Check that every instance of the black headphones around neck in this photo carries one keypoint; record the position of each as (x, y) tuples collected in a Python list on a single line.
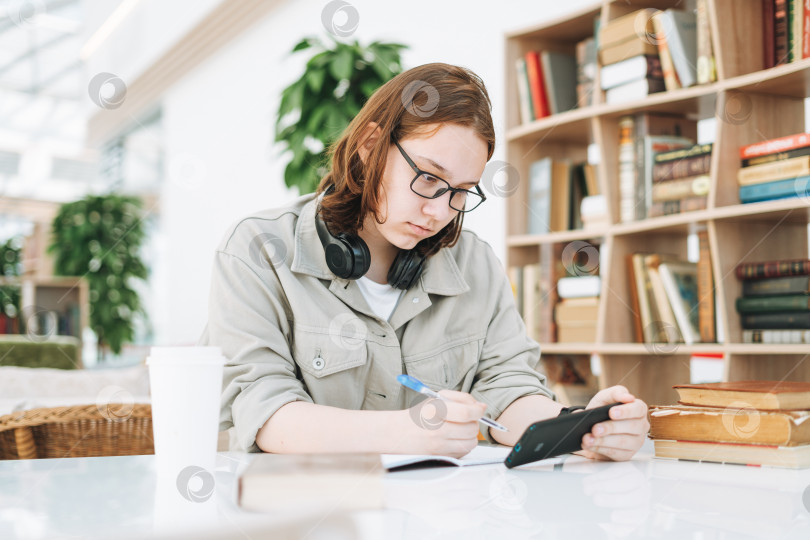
[(348, 257)]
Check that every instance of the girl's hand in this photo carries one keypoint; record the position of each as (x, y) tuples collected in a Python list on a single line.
[(447, 427), (619, 438)]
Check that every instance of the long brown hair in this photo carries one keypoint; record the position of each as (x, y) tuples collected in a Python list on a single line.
[(432, 94)]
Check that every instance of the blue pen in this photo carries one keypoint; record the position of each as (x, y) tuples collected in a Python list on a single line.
[(418, 386)]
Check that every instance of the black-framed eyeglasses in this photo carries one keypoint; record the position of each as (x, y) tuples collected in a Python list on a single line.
[(430, 186)]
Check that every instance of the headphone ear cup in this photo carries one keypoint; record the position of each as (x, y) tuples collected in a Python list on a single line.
[(356, 252), (406, 269)]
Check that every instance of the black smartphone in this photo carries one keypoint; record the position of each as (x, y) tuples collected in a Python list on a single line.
[(556, 436)]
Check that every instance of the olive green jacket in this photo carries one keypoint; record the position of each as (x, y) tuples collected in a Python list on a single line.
[(292, 330)]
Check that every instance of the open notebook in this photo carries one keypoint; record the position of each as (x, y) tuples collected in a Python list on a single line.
[(481, 455)]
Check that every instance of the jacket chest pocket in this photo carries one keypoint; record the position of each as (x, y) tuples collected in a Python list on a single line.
[(333, 365), (450, 367)]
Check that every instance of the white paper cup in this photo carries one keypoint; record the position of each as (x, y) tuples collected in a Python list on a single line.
[(186, 387)]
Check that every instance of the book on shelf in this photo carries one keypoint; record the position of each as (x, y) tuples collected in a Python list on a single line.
[(772, 304), (627, 27), (578, 286), (667, 324), (768, 269), (637, 67), (757, 394), (780, 32), (793, 457), (669, 74), (538, 87), (594, 212), (773, 146), (684, 153), (680, 283), (576, 319), (776, 321), (787, 337), (633, 90), (730, 424), (768, 38), (706, 293), (775, 190), (706, 67), (524, 93), (682, 168), (645, 310), (540, 173), (777, 170), (777, 156), (559, 72), (795, 17), (586, 71), (677, 206), (776, 286), (678, 28), (283, 482), (681, 188)]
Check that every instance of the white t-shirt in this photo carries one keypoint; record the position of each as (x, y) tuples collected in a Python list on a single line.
[(382, 298)]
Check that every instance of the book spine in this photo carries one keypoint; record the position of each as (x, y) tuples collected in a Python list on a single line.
[(627, 169), (671, 79), (768, 51), (524, 92), (776, 286), (776, 321), (780, 32), (806, 29), (677, 206), (540, 196), (779, 156), (772, 304), (772, 146), (671, 170), (778, 170), (797, 17), (536, 85), (684, 153), (639, 203), (794, 337), (547, 331), (757, 270), (681, 188), (705, 283), (791, 30), (682, 41), (779, 189)]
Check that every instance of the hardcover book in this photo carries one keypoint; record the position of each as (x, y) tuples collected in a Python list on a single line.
[(793, 457), (730, 424), (763, 395)]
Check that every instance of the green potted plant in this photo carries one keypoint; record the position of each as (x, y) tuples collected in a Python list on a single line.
[(314, 110), (100, 237)]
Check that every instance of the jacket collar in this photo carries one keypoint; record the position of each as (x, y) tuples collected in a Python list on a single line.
[(441, 274)]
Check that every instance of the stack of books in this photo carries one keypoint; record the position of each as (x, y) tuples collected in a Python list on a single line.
[(785, 31), (775, 169), (576, 312), (746, 422), (680, 180), (641, 137), (775, 302), (631, 67)]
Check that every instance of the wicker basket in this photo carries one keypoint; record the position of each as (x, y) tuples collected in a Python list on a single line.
[(77, 431)]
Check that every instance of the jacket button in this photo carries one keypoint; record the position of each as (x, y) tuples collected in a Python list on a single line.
[(318, 363)]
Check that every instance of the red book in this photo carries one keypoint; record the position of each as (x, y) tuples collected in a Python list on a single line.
[(537, 86), (767, 34), (806, 30), (763, 148), (757, 270)]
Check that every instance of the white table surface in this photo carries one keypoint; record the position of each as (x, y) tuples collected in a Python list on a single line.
[(571, 497)]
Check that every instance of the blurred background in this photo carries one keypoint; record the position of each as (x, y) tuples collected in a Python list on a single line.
[(133, 132)]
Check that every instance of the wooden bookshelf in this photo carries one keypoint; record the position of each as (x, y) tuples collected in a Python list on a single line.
[(772, 101)]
